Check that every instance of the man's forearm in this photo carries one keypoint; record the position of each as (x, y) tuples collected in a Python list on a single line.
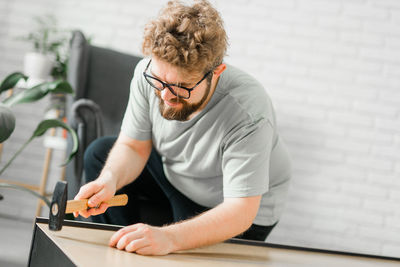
[(124, 163), (218, 224)]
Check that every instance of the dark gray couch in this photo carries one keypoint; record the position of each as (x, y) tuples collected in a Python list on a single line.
[(101, 79)]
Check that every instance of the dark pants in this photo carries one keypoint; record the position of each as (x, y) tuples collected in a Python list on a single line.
[(152, 198)]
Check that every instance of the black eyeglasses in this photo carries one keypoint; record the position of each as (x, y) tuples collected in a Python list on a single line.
[(176, 90)]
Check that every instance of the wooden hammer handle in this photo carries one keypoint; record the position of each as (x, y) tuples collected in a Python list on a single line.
[(82, 204)]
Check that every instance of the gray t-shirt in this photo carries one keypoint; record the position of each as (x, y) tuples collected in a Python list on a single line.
[(229, 149)]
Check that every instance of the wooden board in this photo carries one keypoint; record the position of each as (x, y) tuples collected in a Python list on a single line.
[(87, 246)]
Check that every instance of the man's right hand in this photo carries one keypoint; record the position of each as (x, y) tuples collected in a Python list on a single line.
[(97, 191)]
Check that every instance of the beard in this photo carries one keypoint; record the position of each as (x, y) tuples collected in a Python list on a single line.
[(183, 112)]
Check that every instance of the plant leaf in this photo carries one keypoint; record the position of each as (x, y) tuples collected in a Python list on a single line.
[(40, 130), (47, 124), (39, 91), (63, 87), (7, 122), (11, 80)]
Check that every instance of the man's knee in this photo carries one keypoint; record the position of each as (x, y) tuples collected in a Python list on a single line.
[(95, 156), (99, 149)]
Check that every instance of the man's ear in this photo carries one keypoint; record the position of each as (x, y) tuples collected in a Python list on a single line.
[(219, 70)]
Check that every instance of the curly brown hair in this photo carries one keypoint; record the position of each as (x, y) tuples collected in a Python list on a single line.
[(190, 37)]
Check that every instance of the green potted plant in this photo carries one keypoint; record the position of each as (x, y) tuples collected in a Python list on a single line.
[(7, 118), (48, 58)]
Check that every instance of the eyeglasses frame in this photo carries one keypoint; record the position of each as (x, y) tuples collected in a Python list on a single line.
[(169, 85)]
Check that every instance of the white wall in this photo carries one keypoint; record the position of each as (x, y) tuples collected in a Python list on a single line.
[(332, 68)]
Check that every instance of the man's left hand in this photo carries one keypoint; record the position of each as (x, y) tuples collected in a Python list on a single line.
[(143, 239)]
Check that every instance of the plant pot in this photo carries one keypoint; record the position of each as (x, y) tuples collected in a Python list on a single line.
[(37, 67)]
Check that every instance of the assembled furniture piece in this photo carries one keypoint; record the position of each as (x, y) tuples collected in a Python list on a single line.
[(86, 244)]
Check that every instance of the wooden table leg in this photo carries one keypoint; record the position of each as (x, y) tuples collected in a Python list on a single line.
[(1, 150), (45, 175)]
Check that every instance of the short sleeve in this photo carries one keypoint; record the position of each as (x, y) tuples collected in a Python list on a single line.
[(136, 122), (245, 160)]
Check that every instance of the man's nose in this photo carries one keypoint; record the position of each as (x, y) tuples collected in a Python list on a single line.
[(166, 94)]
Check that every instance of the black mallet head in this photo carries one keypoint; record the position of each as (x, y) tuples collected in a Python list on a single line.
[(58, 206)]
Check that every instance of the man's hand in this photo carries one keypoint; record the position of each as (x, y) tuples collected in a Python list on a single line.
[(143, 239), (98, 191), (228, 219)]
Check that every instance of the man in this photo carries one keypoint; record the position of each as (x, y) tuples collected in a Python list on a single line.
[(199, 135)]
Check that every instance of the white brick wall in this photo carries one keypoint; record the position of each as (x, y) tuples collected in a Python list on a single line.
[(332, 68)]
